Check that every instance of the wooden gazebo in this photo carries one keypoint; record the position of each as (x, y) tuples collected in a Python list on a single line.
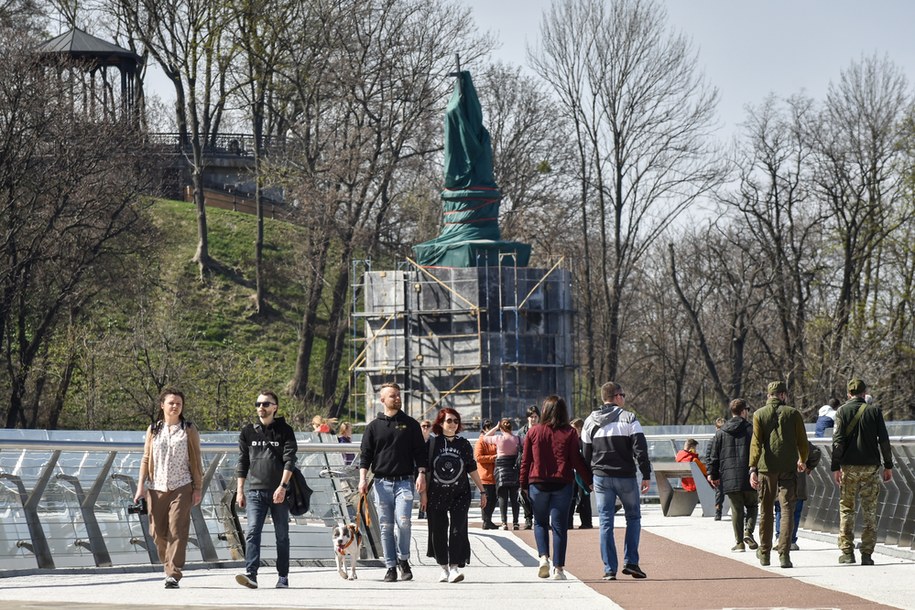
[(95, 57)]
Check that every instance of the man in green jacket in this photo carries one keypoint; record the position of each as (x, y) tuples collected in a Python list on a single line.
[(778, 451), (858, 443)]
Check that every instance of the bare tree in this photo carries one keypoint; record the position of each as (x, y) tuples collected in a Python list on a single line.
[(858, 152), (642, 115), (260, 24), (531, 156), (368, 89), (70, 207), (782, 223), (188, 39)]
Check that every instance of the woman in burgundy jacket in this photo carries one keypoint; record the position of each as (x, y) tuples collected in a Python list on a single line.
[(549, 461)]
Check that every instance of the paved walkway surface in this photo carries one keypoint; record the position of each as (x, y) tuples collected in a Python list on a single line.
[(687, 560)]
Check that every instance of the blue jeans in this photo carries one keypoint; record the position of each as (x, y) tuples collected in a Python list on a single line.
[(608, 489), (394, 503), (259, 502), (798, 509), (551, 511)]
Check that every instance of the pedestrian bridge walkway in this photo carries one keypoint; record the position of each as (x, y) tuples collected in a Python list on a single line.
[(66, 539), (686, 558)]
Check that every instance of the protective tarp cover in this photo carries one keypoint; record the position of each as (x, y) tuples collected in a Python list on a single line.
[(470, 233)]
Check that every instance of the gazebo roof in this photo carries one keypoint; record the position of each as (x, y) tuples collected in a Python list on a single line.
[(80, 45)]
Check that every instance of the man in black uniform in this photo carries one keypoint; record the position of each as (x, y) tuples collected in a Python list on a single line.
[(394, 449), (265, 460)]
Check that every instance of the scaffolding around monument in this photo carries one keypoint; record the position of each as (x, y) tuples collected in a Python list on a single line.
[(486, 341)]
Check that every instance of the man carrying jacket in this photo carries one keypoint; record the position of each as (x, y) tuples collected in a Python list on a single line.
[(729, 462), (858, 442), (266, 457), (778, 451), (613, 444)]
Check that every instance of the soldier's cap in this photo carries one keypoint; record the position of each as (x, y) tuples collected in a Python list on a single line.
[(776, 387), (856, 386)]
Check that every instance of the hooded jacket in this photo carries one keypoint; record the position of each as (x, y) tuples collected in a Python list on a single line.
[(613, 443), (264, 452), (729, 460), (393, 446)]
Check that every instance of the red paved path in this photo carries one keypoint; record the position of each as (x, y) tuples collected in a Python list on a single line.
[(680, 576)]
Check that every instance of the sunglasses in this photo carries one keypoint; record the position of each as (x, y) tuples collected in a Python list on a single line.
[(620, 394), (264, 404), (425, 426), (451, 420)]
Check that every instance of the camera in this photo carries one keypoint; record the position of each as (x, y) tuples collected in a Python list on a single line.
[(138, 508)]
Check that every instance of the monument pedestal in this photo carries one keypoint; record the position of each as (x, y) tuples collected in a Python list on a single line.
[(473, 253)]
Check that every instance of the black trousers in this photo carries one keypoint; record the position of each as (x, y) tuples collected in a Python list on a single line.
[(508, 495), (582, 503), (491, 499), (448, 539)]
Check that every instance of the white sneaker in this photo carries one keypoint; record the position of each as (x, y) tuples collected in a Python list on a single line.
[(559, 574), (544, 571), (443, 577), (456, 575)]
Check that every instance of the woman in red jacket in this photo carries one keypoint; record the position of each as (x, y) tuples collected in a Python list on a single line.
[(549, 461)]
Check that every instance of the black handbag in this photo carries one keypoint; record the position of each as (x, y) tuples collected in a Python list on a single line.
[(298, 496)]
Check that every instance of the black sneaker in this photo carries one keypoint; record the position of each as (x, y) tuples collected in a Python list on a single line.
[(609, 576), (171, 582), (405, 572), (528, 524), (633, 569), (390, 575), (247, 580)]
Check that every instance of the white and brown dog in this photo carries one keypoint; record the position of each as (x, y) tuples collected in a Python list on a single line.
[(347, 543)]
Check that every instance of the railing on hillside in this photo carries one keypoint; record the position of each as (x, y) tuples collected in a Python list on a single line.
[(240, 144), (63, 503)]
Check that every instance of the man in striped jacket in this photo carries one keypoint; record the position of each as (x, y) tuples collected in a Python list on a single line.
[(614, 445)]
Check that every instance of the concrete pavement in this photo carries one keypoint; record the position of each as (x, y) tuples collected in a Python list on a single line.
[(503, 573)]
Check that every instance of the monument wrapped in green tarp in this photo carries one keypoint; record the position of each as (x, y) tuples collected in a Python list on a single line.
[(470, 233)]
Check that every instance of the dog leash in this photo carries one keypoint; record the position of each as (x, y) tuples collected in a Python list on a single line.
[(361, 514)]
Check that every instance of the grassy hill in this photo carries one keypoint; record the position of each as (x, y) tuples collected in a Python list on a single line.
[(204, 337)]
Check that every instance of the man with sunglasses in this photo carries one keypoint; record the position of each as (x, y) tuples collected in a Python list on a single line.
[(614, 445), (267, 455)]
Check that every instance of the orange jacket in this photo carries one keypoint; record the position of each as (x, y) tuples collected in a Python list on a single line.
[(485, 455), (688, 456)]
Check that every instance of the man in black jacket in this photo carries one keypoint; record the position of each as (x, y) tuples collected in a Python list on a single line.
[(729, 471), (265, 461), (394, 449)]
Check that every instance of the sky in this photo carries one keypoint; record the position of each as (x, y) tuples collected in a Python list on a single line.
[(749, 48), (746, 48)]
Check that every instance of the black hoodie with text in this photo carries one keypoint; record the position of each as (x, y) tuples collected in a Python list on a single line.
[(264, 452)]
